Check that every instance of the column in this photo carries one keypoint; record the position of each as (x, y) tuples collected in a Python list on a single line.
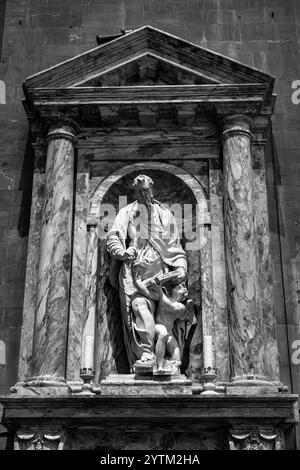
[(245, 316), (29, 310), (52, 304)]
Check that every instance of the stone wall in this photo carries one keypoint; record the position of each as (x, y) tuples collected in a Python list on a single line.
[(261, 33)]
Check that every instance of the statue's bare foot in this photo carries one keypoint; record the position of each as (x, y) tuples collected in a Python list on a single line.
[(167, 369), (145, 364), (173, 366), (163, 369), (160, 371)]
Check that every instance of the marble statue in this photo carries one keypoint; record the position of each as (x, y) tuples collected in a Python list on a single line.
[(171, 308), (145, 254)]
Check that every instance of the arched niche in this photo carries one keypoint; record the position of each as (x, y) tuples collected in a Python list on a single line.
[(182, 174), (172, 184)]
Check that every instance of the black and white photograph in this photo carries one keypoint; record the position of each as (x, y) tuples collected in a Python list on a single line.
[(149, 230)]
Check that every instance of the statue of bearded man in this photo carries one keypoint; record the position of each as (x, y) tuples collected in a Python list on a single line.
[(144, 245)]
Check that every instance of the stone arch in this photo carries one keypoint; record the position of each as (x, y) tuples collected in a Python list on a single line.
[(181, 173)]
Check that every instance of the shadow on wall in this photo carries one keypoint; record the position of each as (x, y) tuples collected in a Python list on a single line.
[(273, 176), (25, 186), (277, 183), (3, 433)]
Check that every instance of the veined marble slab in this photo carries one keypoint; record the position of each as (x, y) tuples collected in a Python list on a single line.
[(245, 321), (29, 308), (78, 295), (264, 286), (219, 305)]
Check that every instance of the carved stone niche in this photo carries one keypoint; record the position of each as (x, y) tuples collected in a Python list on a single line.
[(37, 438), (185, 189)]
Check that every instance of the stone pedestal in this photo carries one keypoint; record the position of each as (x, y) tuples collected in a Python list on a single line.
[(132, 385), (245, 316), (51, 320)]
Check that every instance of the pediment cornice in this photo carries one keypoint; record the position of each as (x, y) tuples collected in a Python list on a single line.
[(147, 40), (138, 69)]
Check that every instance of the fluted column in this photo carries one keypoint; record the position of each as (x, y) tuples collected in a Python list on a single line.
[(52, 305), (245, 316)]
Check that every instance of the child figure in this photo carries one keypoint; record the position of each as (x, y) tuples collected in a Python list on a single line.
[(172, 305), (169, 291)]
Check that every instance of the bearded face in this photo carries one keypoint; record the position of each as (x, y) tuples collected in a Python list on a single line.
[(145, 196)]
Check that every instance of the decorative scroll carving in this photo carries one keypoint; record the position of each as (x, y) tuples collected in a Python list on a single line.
[(39, 439), (253, 440)]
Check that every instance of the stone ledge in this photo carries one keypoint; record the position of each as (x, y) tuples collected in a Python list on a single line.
[(192, 408)]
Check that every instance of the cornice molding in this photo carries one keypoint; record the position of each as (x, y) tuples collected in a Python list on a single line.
[(148, 40), (236, 88), (212, 94), (277, 408)]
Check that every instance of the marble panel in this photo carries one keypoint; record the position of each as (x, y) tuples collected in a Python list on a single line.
[(78, 293), (156, 440), (264, 281), (219, 307), (29, 308)]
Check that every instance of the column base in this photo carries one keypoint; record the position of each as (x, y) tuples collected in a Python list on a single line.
[(42, 385), (251, 384)]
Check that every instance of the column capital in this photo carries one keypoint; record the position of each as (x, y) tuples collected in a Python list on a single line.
[(236, 124), (62, 126)]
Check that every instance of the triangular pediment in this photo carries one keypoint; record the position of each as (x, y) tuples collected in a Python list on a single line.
[(147, 69), (147, 56)]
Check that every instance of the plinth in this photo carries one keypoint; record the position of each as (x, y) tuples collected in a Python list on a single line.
[(142, 385)]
